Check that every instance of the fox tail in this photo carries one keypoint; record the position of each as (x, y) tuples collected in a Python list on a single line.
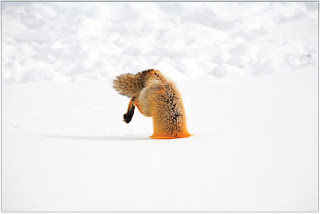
[(128, 85)]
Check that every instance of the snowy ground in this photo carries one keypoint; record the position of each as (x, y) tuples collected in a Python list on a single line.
[(248, 74), (68, 41)]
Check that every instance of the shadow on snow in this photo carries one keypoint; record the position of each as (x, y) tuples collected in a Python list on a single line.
[(105, 138)]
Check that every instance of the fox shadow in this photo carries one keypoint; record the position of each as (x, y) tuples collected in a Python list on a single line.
[(99, 138)]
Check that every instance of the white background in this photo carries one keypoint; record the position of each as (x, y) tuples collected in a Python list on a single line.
[(248, 74)]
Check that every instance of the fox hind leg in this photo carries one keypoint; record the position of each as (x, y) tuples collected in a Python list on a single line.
[(128, 116), (143, 102)]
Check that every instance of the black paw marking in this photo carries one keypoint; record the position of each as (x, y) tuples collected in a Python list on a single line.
[(128, 116)]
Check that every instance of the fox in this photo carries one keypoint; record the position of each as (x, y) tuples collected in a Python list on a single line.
[(155, 96)]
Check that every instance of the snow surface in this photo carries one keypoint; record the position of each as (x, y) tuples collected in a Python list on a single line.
[(248, 74), (70, 41)]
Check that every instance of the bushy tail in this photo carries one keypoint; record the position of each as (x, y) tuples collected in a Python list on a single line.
[(128, 85)]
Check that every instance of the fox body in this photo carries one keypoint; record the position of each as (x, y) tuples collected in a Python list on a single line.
[(157, 97)]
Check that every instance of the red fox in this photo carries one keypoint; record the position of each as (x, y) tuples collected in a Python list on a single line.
[(157, 97)]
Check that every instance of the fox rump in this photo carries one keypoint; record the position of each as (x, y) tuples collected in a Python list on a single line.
[(157, 97)]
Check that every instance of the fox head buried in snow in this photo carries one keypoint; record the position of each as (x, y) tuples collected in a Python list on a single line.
[(157, 97)]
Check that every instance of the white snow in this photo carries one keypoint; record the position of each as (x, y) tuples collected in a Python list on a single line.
[(248, 74), (68, 41)]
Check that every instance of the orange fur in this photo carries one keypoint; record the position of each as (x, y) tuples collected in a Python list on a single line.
[(157, 97)]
